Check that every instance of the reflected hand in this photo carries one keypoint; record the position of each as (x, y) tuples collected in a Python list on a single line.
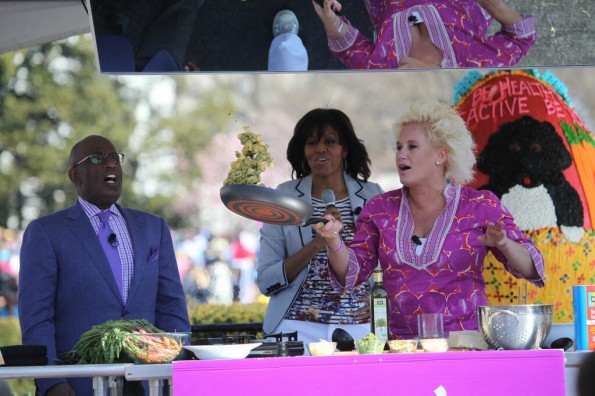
[(328, 13), (489, 3), (500, 11), (407, 62), (61, 389)]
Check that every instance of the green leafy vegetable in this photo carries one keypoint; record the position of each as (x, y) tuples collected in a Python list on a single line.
[(104, 343)]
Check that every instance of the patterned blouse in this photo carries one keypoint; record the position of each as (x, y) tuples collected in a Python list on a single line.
[(457, 27), (447, 276), (317, 301)]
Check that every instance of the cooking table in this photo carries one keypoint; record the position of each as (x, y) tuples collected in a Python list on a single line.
[(486, 373), (557, 371)]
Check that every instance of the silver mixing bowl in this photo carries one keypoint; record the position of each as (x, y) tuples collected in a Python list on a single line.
[(515, 326)]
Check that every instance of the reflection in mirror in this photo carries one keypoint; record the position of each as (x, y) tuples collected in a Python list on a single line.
[(149, 37), (436, 34), (238, 36)]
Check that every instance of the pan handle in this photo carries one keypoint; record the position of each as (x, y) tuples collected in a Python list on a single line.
[(314, 220)]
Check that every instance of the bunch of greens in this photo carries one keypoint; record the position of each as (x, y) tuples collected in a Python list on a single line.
[(104, 343)]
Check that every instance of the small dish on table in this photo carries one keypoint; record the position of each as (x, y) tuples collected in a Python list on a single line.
[(220, 352)]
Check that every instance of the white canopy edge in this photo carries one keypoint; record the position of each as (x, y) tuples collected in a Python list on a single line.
[(24, 24)]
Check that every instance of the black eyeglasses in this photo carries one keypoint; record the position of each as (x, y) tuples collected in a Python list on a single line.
[(99, 159)]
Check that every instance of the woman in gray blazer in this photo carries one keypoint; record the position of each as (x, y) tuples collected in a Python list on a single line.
[(325, 154)]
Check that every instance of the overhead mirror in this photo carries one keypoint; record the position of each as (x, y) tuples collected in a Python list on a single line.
[(213, 36)]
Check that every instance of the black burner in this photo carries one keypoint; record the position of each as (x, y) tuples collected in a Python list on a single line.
[(273, 345)]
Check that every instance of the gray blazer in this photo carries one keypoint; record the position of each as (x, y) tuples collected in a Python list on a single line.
[(279, 242)]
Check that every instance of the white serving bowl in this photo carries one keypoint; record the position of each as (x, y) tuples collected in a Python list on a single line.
[(322, 348), (215, 352)]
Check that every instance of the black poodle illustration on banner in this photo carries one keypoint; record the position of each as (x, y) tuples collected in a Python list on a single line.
[(524, 160)]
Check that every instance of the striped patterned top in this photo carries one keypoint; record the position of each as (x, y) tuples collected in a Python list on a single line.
[(317, 301)]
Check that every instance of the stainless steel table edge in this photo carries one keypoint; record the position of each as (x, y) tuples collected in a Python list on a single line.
[(139, 372), (104, 376), (157, 373), (59, 371)]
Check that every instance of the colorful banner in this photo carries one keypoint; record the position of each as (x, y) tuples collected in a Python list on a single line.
[(537, 156)]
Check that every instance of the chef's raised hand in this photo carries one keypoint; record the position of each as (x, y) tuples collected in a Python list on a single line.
[(495, 235), (331, 211), (516, 254), (330, 230), (335, 247)]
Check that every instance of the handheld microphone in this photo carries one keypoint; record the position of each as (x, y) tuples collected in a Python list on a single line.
[(416, 240), (328, 197), (113, 239)]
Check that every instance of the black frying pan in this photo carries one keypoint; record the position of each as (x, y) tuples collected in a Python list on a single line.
[(267, 205)]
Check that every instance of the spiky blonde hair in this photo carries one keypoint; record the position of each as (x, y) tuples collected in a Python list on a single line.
[(445, 128)]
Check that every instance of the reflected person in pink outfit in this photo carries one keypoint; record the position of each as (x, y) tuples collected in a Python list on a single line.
[(429, 34), (431, 236)]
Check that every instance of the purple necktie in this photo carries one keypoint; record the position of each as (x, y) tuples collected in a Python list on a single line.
[(109, 244)]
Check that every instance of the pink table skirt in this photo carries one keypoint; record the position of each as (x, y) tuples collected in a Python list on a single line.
[(534, 372)]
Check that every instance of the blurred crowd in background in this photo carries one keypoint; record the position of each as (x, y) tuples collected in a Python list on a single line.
[(216, 269), (213, 269)]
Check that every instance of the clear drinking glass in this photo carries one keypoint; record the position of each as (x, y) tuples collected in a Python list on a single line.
[(430, 325), (431, 332)]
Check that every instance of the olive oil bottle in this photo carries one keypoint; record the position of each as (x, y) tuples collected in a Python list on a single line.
[(379, 305)]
